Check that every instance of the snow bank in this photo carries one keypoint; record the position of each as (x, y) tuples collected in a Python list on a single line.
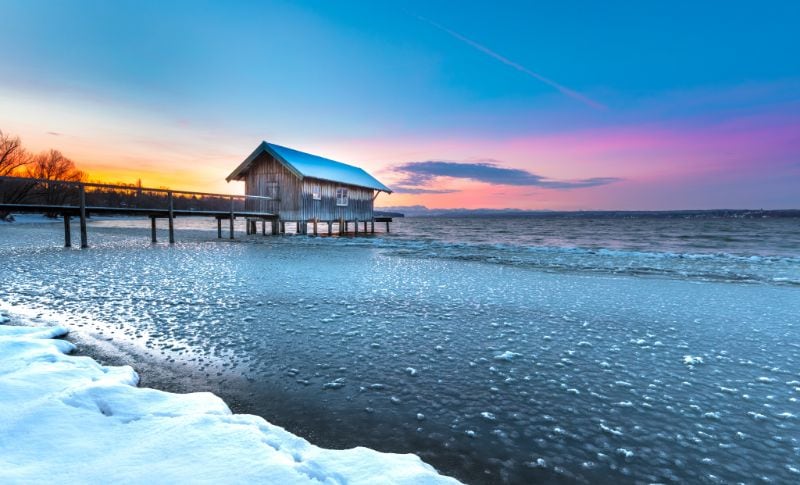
[(69, 419)]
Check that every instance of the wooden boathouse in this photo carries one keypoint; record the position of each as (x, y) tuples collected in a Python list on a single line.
[(305, 189)]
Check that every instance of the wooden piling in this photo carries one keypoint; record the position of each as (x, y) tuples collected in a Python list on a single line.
[(67, 233), (283, 227), (315, 227), (356, 223), (387, 226), (153, 229), (171, 219), (231, 218), (372, 226), (330, 228), (219, 228), (263, 227), (84, 238)]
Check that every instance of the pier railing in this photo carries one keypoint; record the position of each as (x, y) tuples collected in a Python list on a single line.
[(69, 198)]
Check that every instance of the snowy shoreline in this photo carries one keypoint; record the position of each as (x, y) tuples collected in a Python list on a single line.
[(70, 417)]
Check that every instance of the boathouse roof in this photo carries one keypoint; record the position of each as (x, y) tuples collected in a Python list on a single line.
[(305, 164)]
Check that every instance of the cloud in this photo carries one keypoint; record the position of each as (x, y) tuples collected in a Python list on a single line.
[(420, 174), (403, 189), (562, 89)]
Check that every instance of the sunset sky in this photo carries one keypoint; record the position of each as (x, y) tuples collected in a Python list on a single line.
[(533, 105)]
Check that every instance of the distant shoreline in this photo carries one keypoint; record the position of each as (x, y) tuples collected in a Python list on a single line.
[(714, 213)]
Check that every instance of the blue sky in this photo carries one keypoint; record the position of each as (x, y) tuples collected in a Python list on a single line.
[(380, 85)]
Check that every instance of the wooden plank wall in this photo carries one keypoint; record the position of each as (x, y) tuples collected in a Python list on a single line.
[(293, 199), (359, 206), (269, 178)]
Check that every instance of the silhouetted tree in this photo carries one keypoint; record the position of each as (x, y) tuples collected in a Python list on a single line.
[(52, 165), (12, 156)]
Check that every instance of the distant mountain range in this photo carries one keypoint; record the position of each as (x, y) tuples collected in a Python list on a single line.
[(422, 211)]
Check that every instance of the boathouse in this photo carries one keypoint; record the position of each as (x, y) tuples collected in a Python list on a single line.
[(304, 188)]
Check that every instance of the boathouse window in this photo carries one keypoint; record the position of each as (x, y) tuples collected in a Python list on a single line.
[(316, 192), (341, 196)]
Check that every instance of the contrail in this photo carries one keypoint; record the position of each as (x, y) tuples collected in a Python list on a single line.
[(563, 89)]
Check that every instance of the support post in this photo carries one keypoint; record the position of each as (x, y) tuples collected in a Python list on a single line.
[(263, 227), (153, 229), (342, 228), (330, 228), (356, 221), (283, 227), (219, 228), (67, 233), (365, 226), (387, 226), (372, 226), (231, 218), (171, 219), (315, 227), (84, 238)]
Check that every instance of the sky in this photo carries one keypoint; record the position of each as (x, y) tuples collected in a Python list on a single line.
[(561, 105)]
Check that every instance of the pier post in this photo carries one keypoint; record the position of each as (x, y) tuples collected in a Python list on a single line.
[(372, 226), (356, 221), (263, 227), (315, 227), (153, 229), (67, 234), (330, 228), (171, 219), (84, 238), (342, 226), (231, 218), (365, 226), (283, 227), (219, 228), (387, 226)]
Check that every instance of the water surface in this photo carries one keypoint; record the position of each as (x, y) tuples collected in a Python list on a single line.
[(498, 358)]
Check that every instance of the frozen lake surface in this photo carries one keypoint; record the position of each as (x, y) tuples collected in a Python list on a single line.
[(490, 366)]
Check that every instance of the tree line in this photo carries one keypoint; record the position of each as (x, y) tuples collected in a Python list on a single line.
[(51, 165)]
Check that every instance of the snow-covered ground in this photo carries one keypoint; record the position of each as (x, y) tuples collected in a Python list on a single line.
[(68, 419)]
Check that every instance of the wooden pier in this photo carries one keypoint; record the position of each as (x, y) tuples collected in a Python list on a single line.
[(82, 199)]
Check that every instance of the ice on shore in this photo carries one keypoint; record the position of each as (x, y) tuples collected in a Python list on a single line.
[(507, 356), (691, 360), (69, 419)]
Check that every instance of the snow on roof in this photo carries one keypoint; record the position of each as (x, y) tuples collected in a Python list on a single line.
[(307, 165)]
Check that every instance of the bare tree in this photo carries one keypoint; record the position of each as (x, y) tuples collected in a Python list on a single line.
[(53, 165), (12, 156)]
